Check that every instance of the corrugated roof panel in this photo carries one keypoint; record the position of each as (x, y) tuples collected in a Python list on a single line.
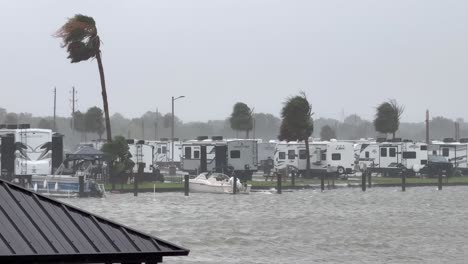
[(40, 229)]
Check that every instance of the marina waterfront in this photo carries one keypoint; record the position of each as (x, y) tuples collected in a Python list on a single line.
[(382, 225)]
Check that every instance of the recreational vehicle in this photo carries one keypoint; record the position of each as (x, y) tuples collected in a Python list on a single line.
[(29, 152), (242, 157), (388, 157), (455, 152), (200, 155), (266, 150), (325, 156), (141, 152)]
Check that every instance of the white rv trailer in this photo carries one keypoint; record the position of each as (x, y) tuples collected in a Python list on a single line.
[(325, 156), (455, 152), (242, 157), (191, 154), (393, 156), (33, 150), (286, 154), (177, 151), (265, 150), (161, 150), (141, 152)]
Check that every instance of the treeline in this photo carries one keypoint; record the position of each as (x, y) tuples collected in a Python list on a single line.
[(154, 125)]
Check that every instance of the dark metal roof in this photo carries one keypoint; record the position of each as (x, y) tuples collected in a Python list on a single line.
[(88, 151), (38, 229)]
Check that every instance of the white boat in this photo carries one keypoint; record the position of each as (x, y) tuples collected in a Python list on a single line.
[(216, 183)]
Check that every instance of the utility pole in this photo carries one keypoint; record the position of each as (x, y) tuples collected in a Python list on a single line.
[(156, 125), (427, 127), (55, 108), (73, 101)]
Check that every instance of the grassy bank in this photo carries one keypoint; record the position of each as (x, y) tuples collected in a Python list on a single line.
[(300, 183)]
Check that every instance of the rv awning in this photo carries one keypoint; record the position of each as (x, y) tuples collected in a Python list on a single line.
[(38, 229)]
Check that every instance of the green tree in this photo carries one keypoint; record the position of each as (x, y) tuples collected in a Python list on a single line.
[(94, 121), (241, 118), (45, 124), (297, 123), (79, 123), (117, 154), (11, 118), (387, 117), (80, 37), (327, 133)]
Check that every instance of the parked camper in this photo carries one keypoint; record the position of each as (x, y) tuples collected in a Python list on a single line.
[(32, 148), (325, 156), (242, 157), (141, 152), (392, 157), (200, 155), (455, 153), (265, 150)]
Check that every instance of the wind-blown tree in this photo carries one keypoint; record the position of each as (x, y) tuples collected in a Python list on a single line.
[(327, 133), (94, 121), (80, 37), (118, 155), (387, 117), (241, 118), (297, 123)]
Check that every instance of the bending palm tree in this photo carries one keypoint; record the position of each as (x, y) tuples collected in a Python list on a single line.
[(80, 37)]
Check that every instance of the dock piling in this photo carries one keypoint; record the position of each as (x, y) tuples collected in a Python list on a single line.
[(403, 180), (439, 185), (278, 183), (363, 181), (81, 186), (186, 184)]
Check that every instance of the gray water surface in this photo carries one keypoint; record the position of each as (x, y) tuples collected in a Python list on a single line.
[(382, 225)]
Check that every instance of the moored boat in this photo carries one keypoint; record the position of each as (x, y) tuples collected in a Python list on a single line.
[(216, 183)]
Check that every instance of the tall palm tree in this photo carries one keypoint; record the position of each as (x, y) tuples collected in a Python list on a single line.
[(79, 35)]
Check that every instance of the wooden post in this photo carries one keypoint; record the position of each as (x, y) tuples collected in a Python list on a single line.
[(439, 187), (363, 181), (186, 184), (403, 180), (81, 186), (141, 167), (234, 184), (293, 178), (278, 183), (369, 179), (322, 182)]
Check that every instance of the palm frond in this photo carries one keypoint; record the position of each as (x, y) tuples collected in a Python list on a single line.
[(79, 36)]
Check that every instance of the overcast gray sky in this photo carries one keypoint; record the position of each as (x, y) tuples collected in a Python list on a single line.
[(347, 55)]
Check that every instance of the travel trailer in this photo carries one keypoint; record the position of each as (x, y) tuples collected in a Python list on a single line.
[(225, 156), (392, 157), (242, 157), (30, 151), (265, 151), (455, 152), (325, 156), (200, 155), (141, 152)]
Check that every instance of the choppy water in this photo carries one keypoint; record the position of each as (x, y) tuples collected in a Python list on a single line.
[(382, 225)]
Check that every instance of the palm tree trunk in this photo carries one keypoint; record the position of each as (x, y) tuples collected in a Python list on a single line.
[(393, 134), (247, 134), (106, 111), (104, 96), (306, 141)]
